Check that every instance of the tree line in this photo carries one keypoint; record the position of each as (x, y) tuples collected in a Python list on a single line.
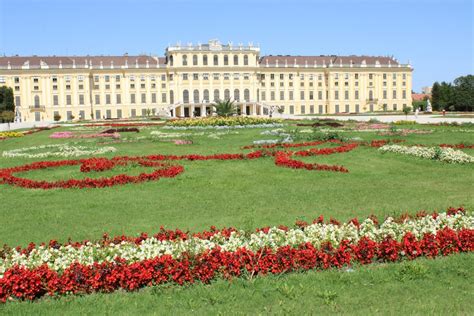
[(7, 104), (456, 96)]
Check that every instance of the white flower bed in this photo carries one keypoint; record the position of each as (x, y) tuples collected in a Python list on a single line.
[(284, 137), (185, 128), (209, 134), (448, 155), (62, 257), (56, 150)]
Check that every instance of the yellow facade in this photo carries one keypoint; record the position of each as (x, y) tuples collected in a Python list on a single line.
[(191, 77)]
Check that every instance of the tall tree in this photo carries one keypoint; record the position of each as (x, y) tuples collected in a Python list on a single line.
[(6, 99), (463, 97), (436, 96)]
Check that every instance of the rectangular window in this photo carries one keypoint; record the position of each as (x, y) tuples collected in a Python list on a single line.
[(263, 96), (320, 95), (69, 115), (384, 94), (143, 98), (119, 114), (133, 113), (132, 98), (337, 108), (346, 95), (107, 78), (290, 97), (163, 98), (282, 95), (153, 98), (108, 114), (68, 87), (118, 98), (303, 109), (347, 110), (404, 94), (272, 95), (356, 94), (282, 76), (55, 100), (311, 109), (301, 95), (320, 109), (195, 76), (185, 76), (143, 112), (97, 115), (357, 108), (97, 99), (311, 95), (107, 99), (394, 94), (292, 109), (81, 87), (117, 78), (82, 114), (81, 99), (17, 101), (336, 95), (394, 107)]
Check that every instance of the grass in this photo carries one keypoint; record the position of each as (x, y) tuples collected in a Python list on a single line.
[(249, 194)]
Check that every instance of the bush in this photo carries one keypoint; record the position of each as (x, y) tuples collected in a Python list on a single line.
[(57, 117)]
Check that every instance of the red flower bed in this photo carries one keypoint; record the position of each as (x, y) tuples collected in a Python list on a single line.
[(457, 146), (20, 283), (282, 158)]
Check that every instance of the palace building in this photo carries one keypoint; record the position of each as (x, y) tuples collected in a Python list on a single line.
[(189, 78)]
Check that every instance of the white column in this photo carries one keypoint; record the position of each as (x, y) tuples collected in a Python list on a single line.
[(203, 110), (254, 109), (181, 111), (191, 110)]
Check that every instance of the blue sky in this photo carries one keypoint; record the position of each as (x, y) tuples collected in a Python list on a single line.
[(436, 36)]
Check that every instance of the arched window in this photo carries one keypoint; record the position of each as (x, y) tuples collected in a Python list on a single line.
[(37, 101), (206, 95), (171, 97), (171, 60), (247, 95), (246, 60), (195, 60), (236, 60), (237, 95), (196, 96), (226, 94), (185, 60), (185, 96), (216, 95), (226, 60), (204, 60), (216, 60)]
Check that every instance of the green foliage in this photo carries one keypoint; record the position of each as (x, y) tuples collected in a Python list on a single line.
[(419, 105), (225, 108), (406, 110), (7, 116), (454, 97), (6, 99), (412, 271), (57, 117)]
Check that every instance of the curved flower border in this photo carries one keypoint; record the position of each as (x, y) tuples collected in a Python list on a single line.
[(176, 257), (63, 150)]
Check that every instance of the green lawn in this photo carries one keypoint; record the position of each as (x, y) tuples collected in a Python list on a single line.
[(249, 194)]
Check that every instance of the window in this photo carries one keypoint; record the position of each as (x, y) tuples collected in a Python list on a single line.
[(216, 60), (163, 97), (153, 98), (195, 60), (68, 87), (371, 76), (142, 86), (82, 114), (143, 98), (404, 94), (117, 78), (185, 96), (185, 60), (263, 96), (371, 95), (320, 95), (236, 60), (320, 109), (97, 114), (17, 88), (215, 76), (171, 60), (133, 113), (96, 78), (404, 76), (132, 98), (205, 76), (394, 76), (118, 98), (336, 95), (216, 95), (195, 76), (282, 95), (384, 76), (384, 95), (36, 88), (132, 86), (337, 108), (17, 79), (385, 107), (81, 99), (394, 94), (356, 94), (347, 110), (394, 107), (311, 109), (357, 108), (81, 87), (356, 76), (119, 114), (292, 109), (97, 99), (204, 60), (17, 100), (226, 76), (55, 79), (282, 76), (303, 109), (185, 76), (237, 95), (302, 95), (107, 99), (107, 78), (143, 112), (290, 95), (226, 94), (206, 95), (69, 115), (55, 100), (163, 77), (55, 87), (346, 95), (247, 95), (272, 95), (226, 60), (246, 60), (196, 96)]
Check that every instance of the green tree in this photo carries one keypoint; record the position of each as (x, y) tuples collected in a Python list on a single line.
[(7, 116), (463, 93), (6, 99), (225, 108), (406, 110), (436, 96)]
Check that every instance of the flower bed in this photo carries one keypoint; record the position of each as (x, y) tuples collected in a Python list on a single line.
[(282, 158), (73, 135), (222, 121), (448, 155), (179, 257), (457, 146), (223, 127), (5, 135), (137, 124), (56, 150)]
